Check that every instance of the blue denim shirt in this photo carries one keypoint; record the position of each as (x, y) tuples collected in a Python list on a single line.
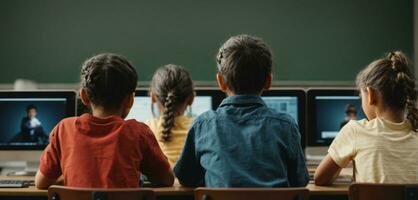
[(243, 144)]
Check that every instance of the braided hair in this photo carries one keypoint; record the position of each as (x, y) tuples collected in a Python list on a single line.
[(392, 77), (172, 85), (108, 79)]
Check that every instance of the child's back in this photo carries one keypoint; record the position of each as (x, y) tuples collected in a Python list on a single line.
[(178, 133), (243, 143), (95, 152), (101, 149), (384, 151)]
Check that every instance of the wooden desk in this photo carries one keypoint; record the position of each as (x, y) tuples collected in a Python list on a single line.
[(336, 189), (176, 190)]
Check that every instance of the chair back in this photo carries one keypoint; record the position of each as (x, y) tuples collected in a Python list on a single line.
[(251, 194), (366, 191), (70, 193)]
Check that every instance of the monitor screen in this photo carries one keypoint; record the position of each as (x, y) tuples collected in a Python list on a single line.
[(27, 120), (285, 104), (329, 112), (290, 101), (141, 110)]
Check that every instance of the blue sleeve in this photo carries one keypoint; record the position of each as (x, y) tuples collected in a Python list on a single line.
[(188, 169), (297, 171)]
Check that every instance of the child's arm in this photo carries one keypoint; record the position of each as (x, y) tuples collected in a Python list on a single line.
[(326, 172), (49, 168), (340, 153), (297, 171), (188, 169), (43, 182), (155, 165)]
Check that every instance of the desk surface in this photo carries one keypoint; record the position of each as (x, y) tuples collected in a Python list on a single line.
[(176, 190)]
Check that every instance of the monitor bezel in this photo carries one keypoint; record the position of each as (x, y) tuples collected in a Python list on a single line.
[(71, 109), (301, 98), (311, 119)]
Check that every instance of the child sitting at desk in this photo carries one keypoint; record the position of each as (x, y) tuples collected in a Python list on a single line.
[(172, 91), (385, 148), (243, 143), (102, 150)]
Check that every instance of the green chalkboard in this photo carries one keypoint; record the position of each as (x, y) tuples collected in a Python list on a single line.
[(47, 40)]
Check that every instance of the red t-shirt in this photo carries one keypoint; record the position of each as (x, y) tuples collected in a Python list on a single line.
[(102, 153)]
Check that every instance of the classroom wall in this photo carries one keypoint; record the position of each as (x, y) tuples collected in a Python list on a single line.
[(330, 40)]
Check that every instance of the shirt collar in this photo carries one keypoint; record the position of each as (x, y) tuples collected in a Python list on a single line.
[(110, 119), (242, 100)]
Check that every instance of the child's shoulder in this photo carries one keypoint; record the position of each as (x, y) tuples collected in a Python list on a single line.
[(206, 116), (280, 117), (363, 123), (136, 125), (67, 121)]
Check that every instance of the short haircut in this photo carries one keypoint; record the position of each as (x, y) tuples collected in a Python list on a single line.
[(244, 63), (108, 79), (350, 108), (31, 107)]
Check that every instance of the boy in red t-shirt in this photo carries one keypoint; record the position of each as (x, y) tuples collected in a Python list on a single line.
[(102, 150)]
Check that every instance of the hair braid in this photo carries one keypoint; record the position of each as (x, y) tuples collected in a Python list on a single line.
[(171, 85), (168, 117), (406, 83)]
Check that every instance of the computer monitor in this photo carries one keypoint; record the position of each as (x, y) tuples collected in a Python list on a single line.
[(27, 119), (205, 99), (328, 111), (290, 101)]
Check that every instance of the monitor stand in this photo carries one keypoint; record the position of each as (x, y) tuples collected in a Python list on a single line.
[(29, 169)]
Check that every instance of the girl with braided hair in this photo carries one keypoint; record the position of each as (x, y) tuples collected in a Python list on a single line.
[(172, 91), (384, 148)]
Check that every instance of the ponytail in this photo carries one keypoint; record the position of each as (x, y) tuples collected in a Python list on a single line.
[(168, 117), (405, 81), (412, 114)]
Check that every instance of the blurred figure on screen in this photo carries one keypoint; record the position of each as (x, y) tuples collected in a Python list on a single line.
[(350, 114), (31, 128)]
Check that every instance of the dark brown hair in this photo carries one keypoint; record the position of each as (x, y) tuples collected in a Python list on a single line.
[(245, 63), (172, 85), (108, 79), (392, 77)]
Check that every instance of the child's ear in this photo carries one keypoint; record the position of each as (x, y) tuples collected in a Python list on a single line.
[(190, 99), (153, 97), (371, 96), (84, 97), (221, 82), (130, 100), (269, 81)]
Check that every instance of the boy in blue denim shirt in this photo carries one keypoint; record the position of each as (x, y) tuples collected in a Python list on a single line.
[(243, 143)]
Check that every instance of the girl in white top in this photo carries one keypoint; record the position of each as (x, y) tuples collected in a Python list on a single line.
[(385, 147)]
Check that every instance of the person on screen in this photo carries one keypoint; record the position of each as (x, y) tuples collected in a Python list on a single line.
[(243, 143), (31, 130), (384, 148), (350, 114), (100, 149), (172, 91)]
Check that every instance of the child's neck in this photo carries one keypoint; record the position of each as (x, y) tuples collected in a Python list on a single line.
[(393, 116), (101, 113), (229, 93)]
